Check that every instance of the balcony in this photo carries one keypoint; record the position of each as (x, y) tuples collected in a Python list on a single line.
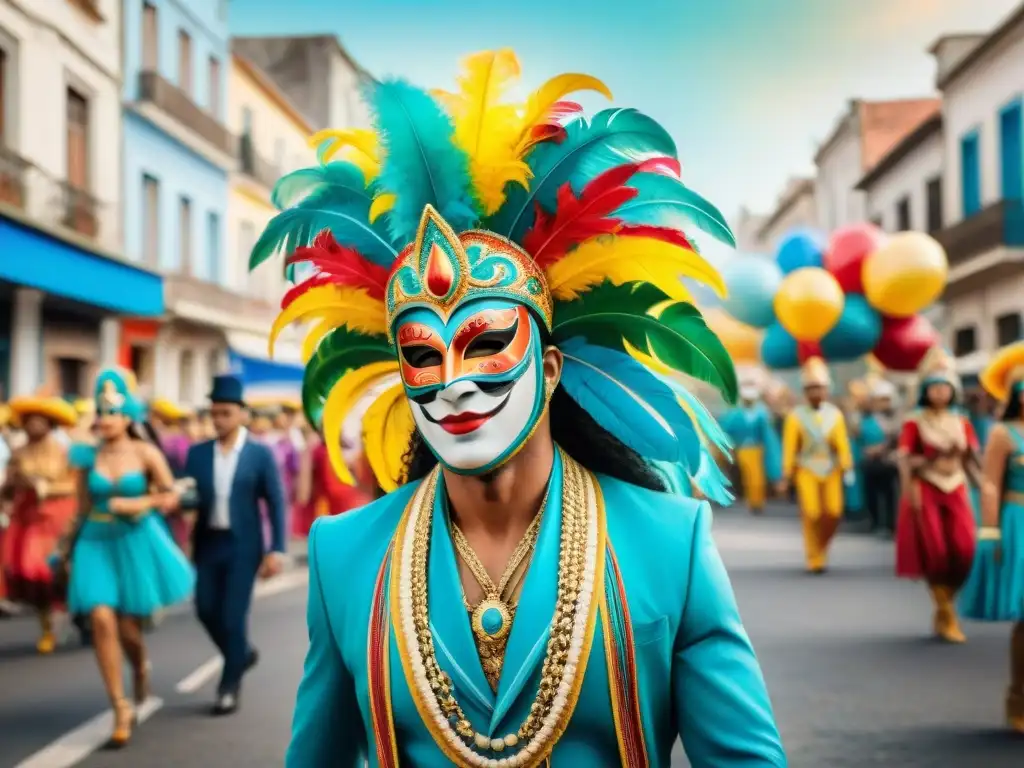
[(77, 210), (13, 172), (168, 98), (201, 302), (986, 247), (254, 166)]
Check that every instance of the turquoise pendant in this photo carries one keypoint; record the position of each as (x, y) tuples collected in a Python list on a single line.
[(492, 621)]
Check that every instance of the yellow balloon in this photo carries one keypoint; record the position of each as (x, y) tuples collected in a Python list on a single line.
[(808, 303), (905, 275), (741, 341)]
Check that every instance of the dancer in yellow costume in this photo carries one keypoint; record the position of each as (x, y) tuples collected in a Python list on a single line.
[(816, 457)]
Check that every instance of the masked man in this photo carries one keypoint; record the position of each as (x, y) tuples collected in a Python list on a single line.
[(525, 596), (756, 444), (816, 457)]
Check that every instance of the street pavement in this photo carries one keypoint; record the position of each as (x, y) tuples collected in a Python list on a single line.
[(855, 678)]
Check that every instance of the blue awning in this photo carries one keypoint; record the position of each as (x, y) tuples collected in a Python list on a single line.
[(267, 378), (35, 259)]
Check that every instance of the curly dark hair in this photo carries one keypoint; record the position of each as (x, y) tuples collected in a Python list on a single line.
[(578, 434)]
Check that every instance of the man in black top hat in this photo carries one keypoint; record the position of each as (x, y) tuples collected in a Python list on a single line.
[(235, 478)]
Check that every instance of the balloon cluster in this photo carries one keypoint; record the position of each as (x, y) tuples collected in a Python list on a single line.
[(858, 293)]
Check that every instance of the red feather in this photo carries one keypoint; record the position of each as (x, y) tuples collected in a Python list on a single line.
[(577, 219), (337, 265), (667, 234), (562, 109)]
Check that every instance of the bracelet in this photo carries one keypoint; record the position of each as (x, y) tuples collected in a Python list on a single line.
[(989, 533)]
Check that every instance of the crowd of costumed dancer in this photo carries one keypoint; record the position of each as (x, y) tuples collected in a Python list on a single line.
[(508, 276)]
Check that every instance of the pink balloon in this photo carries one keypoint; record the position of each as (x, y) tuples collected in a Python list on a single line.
[(904, 342), (847, 249)]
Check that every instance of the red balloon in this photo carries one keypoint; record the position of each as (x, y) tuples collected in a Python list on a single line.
[(805, 350), (847, 249), (904, 342)]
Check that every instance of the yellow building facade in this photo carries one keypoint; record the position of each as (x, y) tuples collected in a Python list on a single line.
[(273, 140)]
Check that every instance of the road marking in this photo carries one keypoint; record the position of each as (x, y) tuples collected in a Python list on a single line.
[(74, 746), (200, 676)]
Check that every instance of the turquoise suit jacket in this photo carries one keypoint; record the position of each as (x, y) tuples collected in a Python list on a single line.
[(698, 676)]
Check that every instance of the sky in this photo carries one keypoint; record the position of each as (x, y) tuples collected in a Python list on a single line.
[(748, 88)]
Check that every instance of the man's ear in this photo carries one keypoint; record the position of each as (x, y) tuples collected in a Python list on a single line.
[(553, 361)]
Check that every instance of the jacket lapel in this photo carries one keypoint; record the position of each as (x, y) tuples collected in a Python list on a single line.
[(527, 642), (449, 621)]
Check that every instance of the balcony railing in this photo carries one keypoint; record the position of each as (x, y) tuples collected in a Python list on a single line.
[(169, 98), (13, 171), (254, 166), (78, 210), (1000, 224)]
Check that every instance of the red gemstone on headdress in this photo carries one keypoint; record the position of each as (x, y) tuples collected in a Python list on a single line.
[(439, 274)]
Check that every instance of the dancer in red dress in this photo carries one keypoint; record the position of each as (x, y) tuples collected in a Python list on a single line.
[(935, 533)]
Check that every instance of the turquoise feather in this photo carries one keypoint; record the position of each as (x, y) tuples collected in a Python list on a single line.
[(611, 138), (628, 401), (706, 423), (422, 164), (712, 482), (664, 201), (338, 181)]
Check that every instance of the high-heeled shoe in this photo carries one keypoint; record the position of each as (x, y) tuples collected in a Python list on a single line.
[(124, 720), (140, 686)]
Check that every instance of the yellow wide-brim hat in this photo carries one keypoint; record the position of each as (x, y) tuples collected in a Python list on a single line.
[(58, 411), (167, 410), (1005, 369)]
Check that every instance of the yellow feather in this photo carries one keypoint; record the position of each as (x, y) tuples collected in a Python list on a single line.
[(539, 103), (359, 146), (343, 396), (381, 204), (336, 305), (387, 428), (628, 259), (485, 128), (313, 338)]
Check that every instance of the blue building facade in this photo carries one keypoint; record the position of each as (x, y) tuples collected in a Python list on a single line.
[(177, 153)]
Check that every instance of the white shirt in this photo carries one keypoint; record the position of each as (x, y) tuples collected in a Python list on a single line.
[(225, 462)]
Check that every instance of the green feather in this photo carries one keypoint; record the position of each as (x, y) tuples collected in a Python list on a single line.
[(340, 351), (609, 314)]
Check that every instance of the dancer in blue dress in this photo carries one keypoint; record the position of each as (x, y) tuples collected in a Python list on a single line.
[(995, 589), (124, 566)]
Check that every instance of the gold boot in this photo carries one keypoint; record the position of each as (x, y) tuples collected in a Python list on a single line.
[(948, 624), (47, 640)]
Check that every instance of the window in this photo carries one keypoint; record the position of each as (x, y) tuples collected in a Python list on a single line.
[(246, 240), (970, 172), (77, 139), (903, 215), (70, 372), (150, 221), (141, 358), (186, 375), (879, 221), (1008, 329), (247, 122), (213, 363), (934, 193), (964, 341), (184, 62), (185, 235), (150, 38), (213, 247), (214, 103), (1011, 151)]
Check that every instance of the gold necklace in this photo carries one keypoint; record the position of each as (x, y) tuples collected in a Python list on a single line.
[(572, 626), (492, 617)]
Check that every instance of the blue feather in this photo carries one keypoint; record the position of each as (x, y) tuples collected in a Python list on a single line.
[(628, 401), (339, 181), (612, 137), (711, 481), (422, 164), (665, 201), (708, 428)]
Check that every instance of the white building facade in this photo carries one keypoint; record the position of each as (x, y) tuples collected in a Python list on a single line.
[(983, 116), (797, 208)]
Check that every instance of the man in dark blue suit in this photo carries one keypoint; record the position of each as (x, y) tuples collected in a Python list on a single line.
[(233, 474)]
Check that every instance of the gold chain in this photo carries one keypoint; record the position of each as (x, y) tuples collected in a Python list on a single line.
[(571, 567), (519, 554)]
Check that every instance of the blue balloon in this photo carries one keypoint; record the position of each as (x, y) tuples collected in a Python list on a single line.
[(856, 333), (800, 248), (779, 348), (752, 282)]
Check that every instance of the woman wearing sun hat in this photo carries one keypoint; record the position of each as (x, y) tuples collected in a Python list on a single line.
[(40, 487), (995, 589)]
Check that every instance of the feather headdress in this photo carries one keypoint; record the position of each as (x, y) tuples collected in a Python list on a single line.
[(588, 212)]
